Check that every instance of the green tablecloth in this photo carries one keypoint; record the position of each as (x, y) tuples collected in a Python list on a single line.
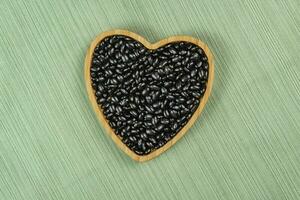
[(246, 144)]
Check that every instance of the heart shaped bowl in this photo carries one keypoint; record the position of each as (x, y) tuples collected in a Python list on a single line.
[(152, 46)]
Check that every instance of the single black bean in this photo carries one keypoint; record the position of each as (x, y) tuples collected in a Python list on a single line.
[(144, 136), (122, 118), (154, 120), (150, 109), (167, 84), (165, 121), (137, 100), (174, 113), (164, 90), (124, 91), (149, 144), (166, 113), (156, 105), (148, 99), (174, 126), (155, 75), (132, 106), (159, 128), (152, 140), (147, 124), (150, 132), (158, 112), (132, 138), (148, 117), (154, 87), (133, 113)]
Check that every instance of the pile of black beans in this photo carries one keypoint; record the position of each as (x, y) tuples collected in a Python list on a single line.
[(147, 96)]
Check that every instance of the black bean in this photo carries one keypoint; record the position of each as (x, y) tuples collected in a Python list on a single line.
[(171, 104), (101, 100), (183, 52), (164, 90), (168, 84), (178, 85), (144, 148), (193, 109), (154, 120), (147, 124), (137, 100), (157, 105), (149, 144), (133, 113), (141, 86), (155, 76), (144, 136), (155, 95), (162, 64), (124, 91), (132, 138), (161, 143), (123, 102), (190, 101), (195, 56), (180, 100), (165, 121), (176, 59), (166, 113), (184, 94), (185, 78), (148, 117), (174, 126), (193, 73), (98, 94), (166, 53), (122, 118), (201, 74), (152, 140), (109, 115), (159, 128), (147, 96), (176, 108), (158, 112), (205, 66), (150, 60), (184, 110), (148, 99), (100, 88), (170, 97), (150, 131), (174, 113), (150, 109), (134, 131), (145, 91), (149, 69), (172, 51), (118, 109), (154, 87), (112, 124), (196, 94)]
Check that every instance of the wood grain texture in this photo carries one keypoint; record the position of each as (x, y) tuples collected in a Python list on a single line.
[(244, 146), (99, 112)]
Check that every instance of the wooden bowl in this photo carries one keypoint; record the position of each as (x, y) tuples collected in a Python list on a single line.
[(148, 45)]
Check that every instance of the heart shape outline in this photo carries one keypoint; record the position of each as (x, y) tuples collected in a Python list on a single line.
[(98, 111)]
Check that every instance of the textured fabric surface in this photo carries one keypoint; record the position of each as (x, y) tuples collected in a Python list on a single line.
[(245, 145)]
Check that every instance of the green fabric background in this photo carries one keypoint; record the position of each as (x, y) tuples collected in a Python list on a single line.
[(245, 145)]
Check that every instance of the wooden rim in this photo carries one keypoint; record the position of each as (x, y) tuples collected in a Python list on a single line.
[(148, 45)]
